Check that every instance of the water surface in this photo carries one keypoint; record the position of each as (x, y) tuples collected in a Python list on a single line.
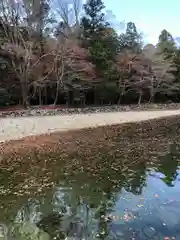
[(126, 189)]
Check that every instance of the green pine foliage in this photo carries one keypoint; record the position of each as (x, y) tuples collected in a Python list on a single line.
[(101, 40)]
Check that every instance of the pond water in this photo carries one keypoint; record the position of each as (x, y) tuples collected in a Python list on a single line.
[(129, 189)]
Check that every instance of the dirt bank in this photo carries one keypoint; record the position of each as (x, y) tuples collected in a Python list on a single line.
[(85, 140), (16, 128)]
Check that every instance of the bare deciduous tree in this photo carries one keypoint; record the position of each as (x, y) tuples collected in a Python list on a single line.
[(69, 63), (19, 43), (133, 74), (160, 71), (148, 71)]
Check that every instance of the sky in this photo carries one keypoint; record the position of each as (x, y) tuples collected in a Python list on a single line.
[(150, 17)]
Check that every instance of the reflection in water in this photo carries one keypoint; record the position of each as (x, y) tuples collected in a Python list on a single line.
[(29, 212), (116, 194), (169, 165)]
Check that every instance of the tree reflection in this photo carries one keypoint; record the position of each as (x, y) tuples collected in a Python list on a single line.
[(168, 165), (81, 202), (90, 190), (29, 212), (137, 180)]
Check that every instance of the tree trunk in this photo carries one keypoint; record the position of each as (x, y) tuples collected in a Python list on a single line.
[(67, 98), (24, 93), (151, 99), (40, 96), (45, 95), (25, 102), (94, 96), (140, 98), (57, 95), (152, 94), (119, 99)]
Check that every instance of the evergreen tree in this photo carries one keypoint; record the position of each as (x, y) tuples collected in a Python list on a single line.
[(168, 48), (100, 38), (166, 43), (131, 39), (93, 22)]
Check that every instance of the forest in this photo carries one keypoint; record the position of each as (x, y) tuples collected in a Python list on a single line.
[(59, 52)]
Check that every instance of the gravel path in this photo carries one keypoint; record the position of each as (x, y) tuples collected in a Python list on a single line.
[(15, 128)]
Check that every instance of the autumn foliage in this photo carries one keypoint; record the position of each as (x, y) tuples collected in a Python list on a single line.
[(45, 60)]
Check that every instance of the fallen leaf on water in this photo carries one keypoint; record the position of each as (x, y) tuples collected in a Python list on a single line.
[(140, 205)]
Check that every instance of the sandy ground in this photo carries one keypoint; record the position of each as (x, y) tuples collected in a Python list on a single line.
[(16, 128)]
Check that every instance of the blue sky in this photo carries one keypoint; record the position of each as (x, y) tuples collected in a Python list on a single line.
[(149, 16)]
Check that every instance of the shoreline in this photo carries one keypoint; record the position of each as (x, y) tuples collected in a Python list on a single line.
[(17, 128), (49, 110), (68, 142)]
